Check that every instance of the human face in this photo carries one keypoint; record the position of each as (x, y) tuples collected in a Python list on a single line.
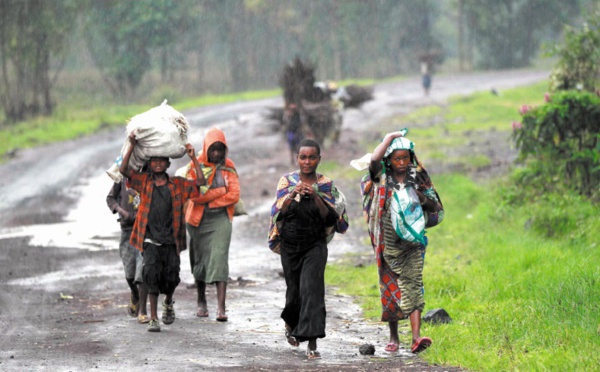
[(399, 160), (216, 152), (159, 165), (308, 159)]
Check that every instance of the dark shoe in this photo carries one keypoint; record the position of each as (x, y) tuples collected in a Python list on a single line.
[(153, 326), (168, 313)]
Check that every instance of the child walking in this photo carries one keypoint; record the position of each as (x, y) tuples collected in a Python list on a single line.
[(124, 201), (159, 229)]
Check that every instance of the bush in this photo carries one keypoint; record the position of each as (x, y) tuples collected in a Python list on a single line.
[(579, 58), (560, 141)]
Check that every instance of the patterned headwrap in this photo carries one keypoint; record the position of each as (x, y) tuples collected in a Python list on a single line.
[(399, 143)]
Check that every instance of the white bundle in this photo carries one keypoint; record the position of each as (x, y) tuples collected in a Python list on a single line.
[(160, 131)]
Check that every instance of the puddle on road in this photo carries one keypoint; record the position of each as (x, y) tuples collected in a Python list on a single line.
[(90, 225)]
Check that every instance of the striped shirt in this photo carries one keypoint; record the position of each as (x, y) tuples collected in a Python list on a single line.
[(181, 190)]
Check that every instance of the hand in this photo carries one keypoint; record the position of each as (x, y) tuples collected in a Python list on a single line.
[(132, 139), (123, 213), (396, 134), (189, 149)]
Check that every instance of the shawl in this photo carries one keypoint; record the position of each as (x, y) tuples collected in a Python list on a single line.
[(325, 189)]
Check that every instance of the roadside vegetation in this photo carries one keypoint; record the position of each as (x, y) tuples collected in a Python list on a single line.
[(518, 275)]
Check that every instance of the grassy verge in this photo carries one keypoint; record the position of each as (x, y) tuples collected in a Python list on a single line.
[(520, 281)]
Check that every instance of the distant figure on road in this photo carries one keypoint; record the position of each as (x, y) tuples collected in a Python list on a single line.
[(399, 201), (209, 220), (308, 210), (293, 129), (125, 201), (426, 77), (159, 229)]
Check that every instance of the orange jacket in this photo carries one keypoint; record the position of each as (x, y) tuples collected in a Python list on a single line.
[(213, 197)]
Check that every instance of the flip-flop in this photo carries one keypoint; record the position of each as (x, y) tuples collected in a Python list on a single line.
[(221, 317), (201, 313), (421, 344), (142, 319), (391, 347), (313, 354)]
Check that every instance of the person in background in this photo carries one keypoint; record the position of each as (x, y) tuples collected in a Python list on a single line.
[(125, 201), (293, 128), (399, 201), (209, 220), (308, 210), (159, 231)]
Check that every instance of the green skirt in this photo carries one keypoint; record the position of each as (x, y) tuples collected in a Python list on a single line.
[(209, 247)]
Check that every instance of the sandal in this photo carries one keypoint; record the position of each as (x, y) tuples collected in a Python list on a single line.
[(142, 319), (132, 308), (313, 354), (202, 313), (221, 317), (153, 326), (168, 313), (291, 339), (421, 344), (391, 347)]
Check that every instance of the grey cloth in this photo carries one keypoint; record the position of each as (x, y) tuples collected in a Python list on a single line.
[(131, 257), (209, 247)]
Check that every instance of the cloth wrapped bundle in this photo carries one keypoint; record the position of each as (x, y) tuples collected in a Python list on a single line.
[(160, 131)]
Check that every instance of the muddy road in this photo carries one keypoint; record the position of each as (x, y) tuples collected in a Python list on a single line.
[(63, 295)]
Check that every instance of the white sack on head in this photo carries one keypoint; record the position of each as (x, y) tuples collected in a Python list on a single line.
[(160, 131)]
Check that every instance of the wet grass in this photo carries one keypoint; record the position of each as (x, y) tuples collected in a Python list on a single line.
[(520, 281), (519, 299)]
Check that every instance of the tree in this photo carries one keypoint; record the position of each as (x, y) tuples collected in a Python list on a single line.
[(508, 33), (33, 41), (121, 36)]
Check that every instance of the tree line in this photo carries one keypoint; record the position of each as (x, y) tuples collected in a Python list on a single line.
[(237, 45)]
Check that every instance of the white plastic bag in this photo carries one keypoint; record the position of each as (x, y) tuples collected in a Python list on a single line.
[(160, 131)]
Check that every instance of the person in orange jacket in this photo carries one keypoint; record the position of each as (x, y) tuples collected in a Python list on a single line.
[(209, 221)]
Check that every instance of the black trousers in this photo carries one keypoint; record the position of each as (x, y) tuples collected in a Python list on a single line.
[(304, 270)]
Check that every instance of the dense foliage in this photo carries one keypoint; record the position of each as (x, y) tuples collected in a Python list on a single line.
[(579, 58), (561, 139)]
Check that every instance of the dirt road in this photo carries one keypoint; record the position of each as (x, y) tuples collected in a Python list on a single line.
[(62, 291)]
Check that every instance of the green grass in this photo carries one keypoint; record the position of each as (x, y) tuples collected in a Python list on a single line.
[(521, 281), (519, 299)]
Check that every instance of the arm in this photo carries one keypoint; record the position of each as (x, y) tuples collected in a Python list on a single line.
[(200, 180), (209, 196), (427, 204), (232, 193), (379, 152), (112, 199), (124, 169)]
